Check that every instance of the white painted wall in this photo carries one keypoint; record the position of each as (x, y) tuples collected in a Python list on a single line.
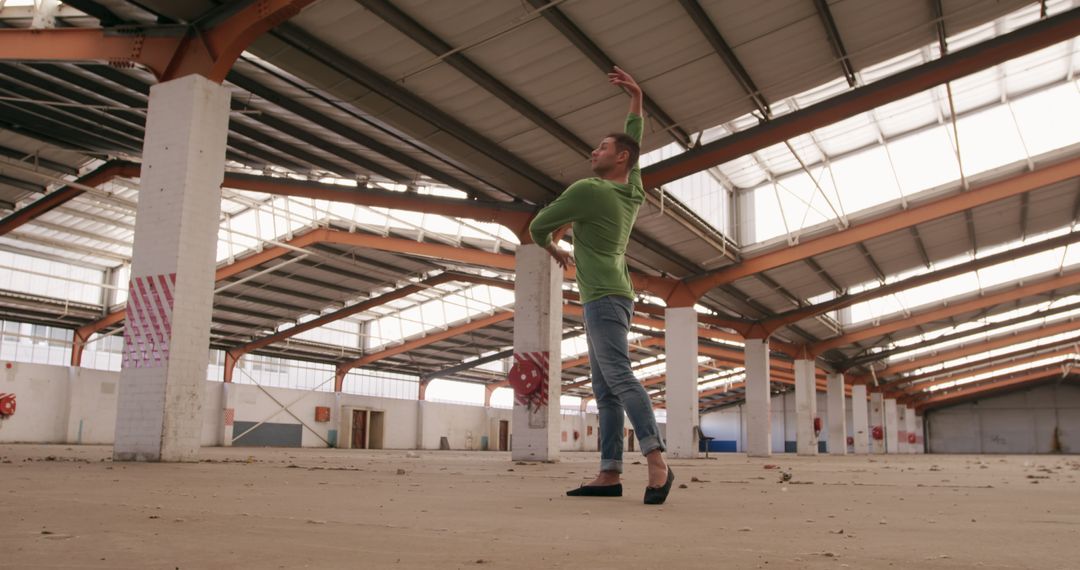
[(730, 423), (41, 397), (1018, 422), (59, 404)]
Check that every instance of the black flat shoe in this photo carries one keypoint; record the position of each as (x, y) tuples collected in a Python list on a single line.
[(657, 495), (596, 491)]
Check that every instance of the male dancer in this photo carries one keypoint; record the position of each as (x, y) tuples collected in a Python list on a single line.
[(602, 210)]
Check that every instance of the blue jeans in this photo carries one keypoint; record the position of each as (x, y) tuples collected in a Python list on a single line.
[(607, 325)]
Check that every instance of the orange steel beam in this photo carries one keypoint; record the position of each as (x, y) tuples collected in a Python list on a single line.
[(209, 52), (1043, 286), (901, 383), (83, 333), (965, 392), (344, 367), (736, 385), (924, 386), (514, 217), (953, 66), (992, 192), (584, 359), (573, 385), (797, 315), (978, 347), (715, 391), (452, 253), (233, 355), (737, 325), (101, 175), (636, 345)]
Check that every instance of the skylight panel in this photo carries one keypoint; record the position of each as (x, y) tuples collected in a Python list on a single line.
[(1049, 119), (865, 180), (907, 114), (924, 160), (989, 139)]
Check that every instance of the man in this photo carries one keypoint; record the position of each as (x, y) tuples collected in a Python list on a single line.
[(602, 210)]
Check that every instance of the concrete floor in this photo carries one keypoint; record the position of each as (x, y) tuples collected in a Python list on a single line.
[(72, 507)]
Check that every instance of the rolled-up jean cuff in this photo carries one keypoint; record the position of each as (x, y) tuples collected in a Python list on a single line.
[(650, 444), (611, 465)]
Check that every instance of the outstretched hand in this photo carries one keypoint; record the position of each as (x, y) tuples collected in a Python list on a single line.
[(620, 78)]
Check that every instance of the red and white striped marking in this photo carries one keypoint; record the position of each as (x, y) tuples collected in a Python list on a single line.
[(148, 325)]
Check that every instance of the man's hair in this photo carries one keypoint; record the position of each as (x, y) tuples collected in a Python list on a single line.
[(626, 143)]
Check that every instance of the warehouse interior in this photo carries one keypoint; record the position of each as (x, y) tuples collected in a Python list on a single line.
[(266, 264)]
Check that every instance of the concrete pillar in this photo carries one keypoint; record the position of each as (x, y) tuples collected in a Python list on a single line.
[(805, 407), (333, 435), (892, 424), (758, 398), (421, 407), (837, 441), (171, 293), (681, 353), (44, 14), (877, 421), (538, 339), (901, 430), (920, 441), (909, 430), (860, 419), (228, 413)]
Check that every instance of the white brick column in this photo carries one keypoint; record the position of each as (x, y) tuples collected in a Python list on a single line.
[(920, 445), (860, 419), (837, 441), (758, 398), (681, 353), (167, 329), (901, 430), (909, 430), (892, 424), (228, 413), (805, 407), (877, 420), (538, 329)]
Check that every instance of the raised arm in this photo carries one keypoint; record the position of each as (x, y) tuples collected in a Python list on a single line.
[(635, 122), (621, 78)]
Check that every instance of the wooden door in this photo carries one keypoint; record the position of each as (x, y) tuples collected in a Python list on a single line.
[(359, 429), (504, 435)]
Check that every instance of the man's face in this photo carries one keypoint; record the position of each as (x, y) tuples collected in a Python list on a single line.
[(605, 158)]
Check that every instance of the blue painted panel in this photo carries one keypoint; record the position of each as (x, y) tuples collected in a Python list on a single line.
[(268, 435), (724, 445)]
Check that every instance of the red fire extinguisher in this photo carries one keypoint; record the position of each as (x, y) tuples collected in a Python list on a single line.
[(817, 426)]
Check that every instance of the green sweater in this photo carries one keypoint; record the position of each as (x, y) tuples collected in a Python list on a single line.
[(603, 214)]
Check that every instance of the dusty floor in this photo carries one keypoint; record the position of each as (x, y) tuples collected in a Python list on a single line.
[(72, 507)]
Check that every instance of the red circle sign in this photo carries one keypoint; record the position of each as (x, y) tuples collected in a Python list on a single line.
[(7, 405), (525, 377)]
